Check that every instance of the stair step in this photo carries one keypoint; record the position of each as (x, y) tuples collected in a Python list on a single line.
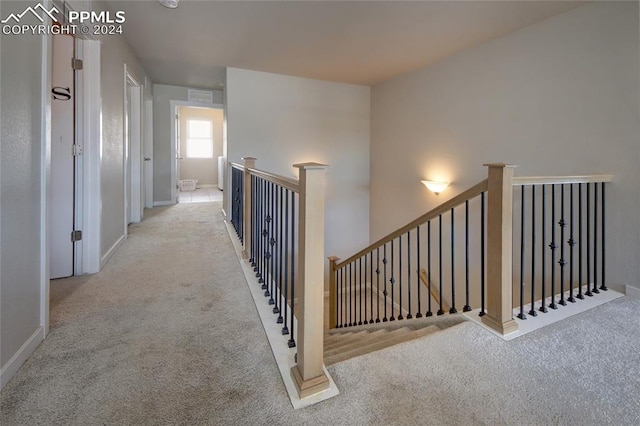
[(392, 338), (368, 340), (333, 342), (330, 338), (354, 341)]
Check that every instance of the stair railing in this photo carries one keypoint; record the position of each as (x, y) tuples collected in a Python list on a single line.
[(383, 281), (280, 222), (376, 285), (560, 233)]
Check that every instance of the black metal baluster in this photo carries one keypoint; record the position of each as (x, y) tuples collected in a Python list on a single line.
[(440, 311), (543, 257), (419, 314), (251, 219), (384, 262), (260, 237), (400, 276), (595, 239), (429, 312), (267, 256), (350, 290), (572, 243), (532, 311), (453, 309), (580, 295), (256, 233), (338, 305), (292, 342), (553, 247), (393, 282), (360, 295), (603, 286), (588, 241), (371, 286), (562, 262), (272, 254), (466, 307), (409, 316), (521, 315), (343, 305), (378, 284), (482, 253), (288, 253), (279, 299)]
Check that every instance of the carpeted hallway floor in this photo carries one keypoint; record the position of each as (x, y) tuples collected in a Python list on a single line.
[(168, 334)]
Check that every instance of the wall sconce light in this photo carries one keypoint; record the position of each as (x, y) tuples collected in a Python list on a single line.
[(435, 187), (171, 4)]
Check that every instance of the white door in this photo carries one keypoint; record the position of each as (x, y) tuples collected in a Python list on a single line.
[(148, 153), (62, 159), (178, 156), (136, 201)]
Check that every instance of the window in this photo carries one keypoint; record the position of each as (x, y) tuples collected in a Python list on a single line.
[(199, 138)]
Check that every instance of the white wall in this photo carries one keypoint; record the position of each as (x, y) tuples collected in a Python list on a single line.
[(203, 169), (557, 98), (20, 192), (162, 116), (283, 120)]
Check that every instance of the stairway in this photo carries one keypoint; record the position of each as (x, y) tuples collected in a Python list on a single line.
[(342, 344)]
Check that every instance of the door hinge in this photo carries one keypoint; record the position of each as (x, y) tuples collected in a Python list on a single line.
[(76, 236), (76, 64), (77, 150)]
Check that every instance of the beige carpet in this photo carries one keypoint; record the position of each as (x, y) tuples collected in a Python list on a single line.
[(168, 334)]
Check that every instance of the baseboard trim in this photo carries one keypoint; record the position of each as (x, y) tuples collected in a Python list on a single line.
[(552, 316), (111, 251), (632, 291), (283, 355), (163, 203), (21, 356)]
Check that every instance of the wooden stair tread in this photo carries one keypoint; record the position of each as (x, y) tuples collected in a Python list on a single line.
[(392, 338), (359, 341)]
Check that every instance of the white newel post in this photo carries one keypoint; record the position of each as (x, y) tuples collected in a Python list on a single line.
[(500, 249), (249, 163), (308, 374)]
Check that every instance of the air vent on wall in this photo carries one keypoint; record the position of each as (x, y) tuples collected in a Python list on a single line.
[(200, 96)]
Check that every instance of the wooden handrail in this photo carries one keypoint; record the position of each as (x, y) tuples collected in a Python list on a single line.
[(286, 182), (545, 180), (289, 183), (432, 289), (442, 208)]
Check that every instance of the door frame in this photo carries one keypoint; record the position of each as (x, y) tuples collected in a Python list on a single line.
[(132, 152), (147, 165), (91, 141), (88, 203), (174, 105)]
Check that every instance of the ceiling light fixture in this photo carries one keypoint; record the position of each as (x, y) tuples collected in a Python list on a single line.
[(435, 187), (171, 4)]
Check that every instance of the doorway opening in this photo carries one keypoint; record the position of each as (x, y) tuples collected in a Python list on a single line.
[(64, 149), (134, 170), (199, 167)]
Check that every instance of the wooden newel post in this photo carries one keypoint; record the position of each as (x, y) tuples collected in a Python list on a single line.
[(308, 374), (333, 291), (249, 163), (500, 249)]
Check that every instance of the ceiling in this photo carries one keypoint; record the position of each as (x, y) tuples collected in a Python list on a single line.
[(359, 42)]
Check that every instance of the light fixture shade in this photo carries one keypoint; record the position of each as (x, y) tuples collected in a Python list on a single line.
[(171, 4), (435, 187)]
